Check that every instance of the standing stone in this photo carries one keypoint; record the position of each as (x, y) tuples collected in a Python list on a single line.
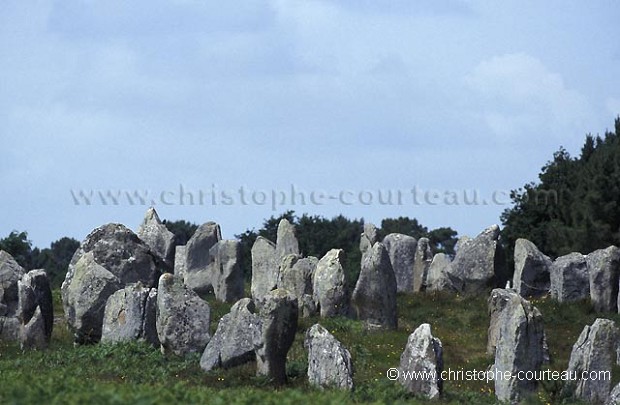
[(519, 345), (604, 274), (110, 257), (531, 276), (34, 291), (237, 336), (296, 277), (180, 265), (437, 278), (279, 318), (330, 289), (126, 316), (264, 268), (595, 351), (158, 237), (402, 251), (286, 242), (374, 297), (183, 318), (569, 278), (477, 264), (422, 355), (369, 237), (614, 396), (329, 363), (197, 257), (422, 263), (32, 334), (226, 272), (499, 299), (10, 273)]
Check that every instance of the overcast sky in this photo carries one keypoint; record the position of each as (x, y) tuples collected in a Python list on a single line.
[(336, 99)]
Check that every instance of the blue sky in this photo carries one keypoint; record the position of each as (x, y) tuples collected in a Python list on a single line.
[(335, 98)]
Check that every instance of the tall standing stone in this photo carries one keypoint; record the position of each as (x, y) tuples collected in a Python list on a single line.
[(226, 272), (423, 355), (374, 297), (10, 273), (531, 276), (158, 237), (329, 362), (478, 263), (110, 257), (183, 318), (422, 263), (604, 274), (594, 352), (330, 289), (369, 237), (519, 345), (569, 278), (180, 265), (264, 268), (279, 320), (402, 251), (296, 277), (34, 292), (286, 242), (437, 278), (198, 258)]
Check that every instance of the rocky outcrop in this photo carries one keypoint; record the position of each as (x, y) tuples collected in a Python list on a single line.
[(604, 275), (158, 237), (517, 334), (264, 268), (130, 314), (330, 289), (110, 258), (278, 315), (531, 276), (402, 251), (569, 278), (595, 351), (423, 355), (183, 318), (422, 263), (198, 257), (329, 363), (238, 335), (374, 297), (478, 263)]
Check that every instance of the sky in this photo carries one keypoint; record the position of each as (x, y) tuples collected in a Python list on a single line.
[(236, 111)]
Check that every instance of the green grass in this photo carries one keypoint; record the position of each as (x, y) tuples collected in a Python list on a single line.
[(137, 373)]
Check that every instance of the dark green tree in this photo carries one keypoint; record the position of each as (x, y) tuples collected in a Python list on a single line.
[(183, 230), (18, 246)]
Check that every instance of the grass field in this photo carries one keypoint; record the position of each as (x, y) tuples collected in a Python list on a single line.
[(139, 374)]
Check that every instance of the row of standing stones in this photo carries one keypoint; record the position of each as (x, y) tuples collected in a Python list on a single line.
[(123, 286)]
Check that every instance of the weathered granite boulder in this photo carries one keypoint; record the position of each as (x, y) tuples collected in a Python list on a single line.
[(330, 289), (519, 344), (604, 275), (278, 315), (369, 237), (130, 314), (198, 257), (286, 240), (478, 263), (33, 334), (437, 277), (180, 265), (158, 237), (423, 354), (183, 317), (296, 276), (402, 250), (10, 273), (265, 275), (374, 297), (34, 292), (329, 363), (110, 257), (225, 270), (238, 335), (595, 351), (569, 278), (614, 396), (422, 263), (531, 276)]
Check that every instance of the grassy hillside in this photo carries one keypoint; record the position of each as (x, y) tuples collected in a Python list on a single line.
[(137, 373)]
